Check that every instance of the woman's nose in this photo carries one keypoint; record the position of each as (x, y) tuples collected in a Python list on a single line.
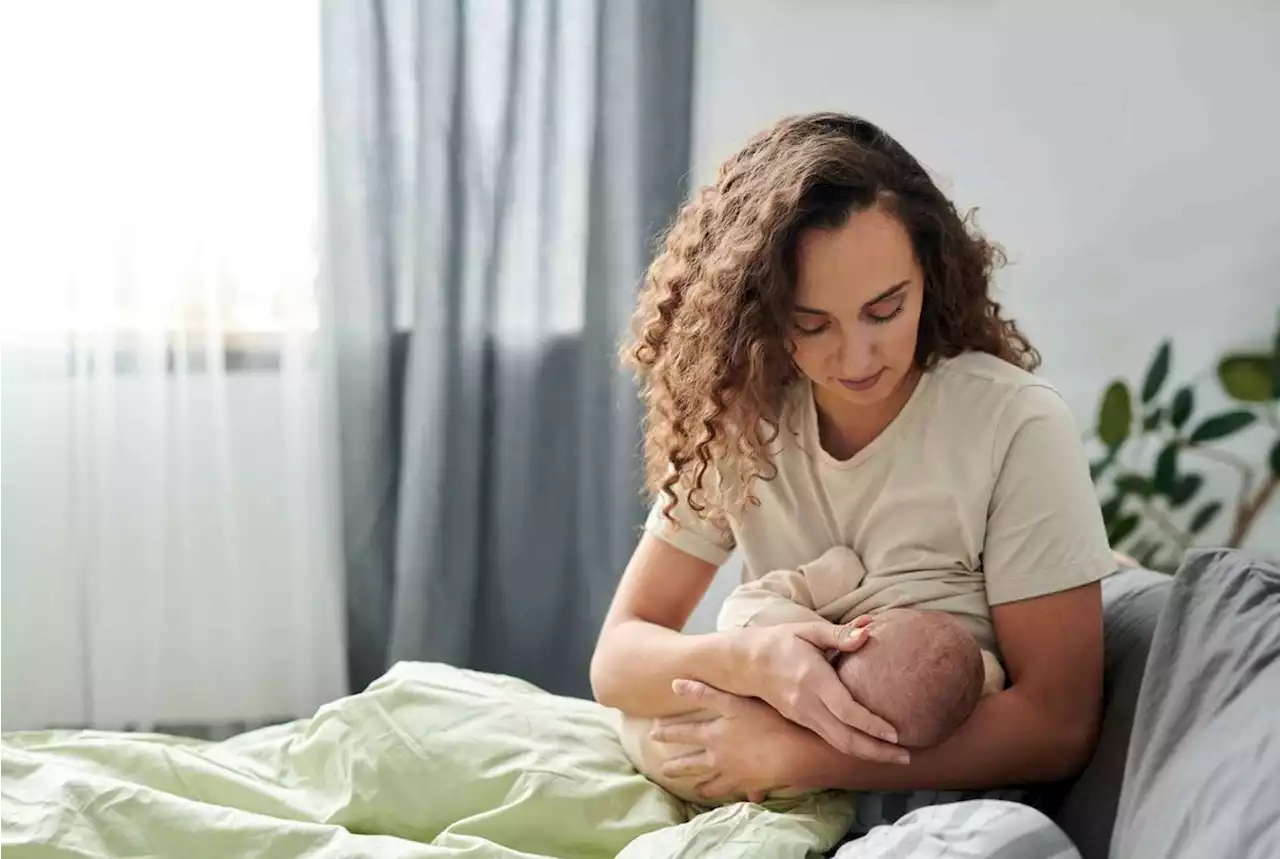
[(857, 354)]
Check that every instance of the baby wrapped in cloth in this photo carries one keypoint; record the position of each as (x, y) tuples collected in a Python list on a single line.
[(922, 671)]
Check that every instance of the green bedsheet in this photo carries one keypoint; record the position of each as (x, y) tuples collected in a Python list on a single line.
[(429, 761)]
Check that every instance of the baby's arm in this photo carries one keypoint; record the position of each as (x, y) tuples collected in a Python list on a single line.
[(795, 596), (777, 597)]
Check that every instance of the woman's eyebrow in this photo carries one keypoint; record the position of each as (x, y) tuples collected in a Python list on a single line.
[(888, 293), (800, 308)]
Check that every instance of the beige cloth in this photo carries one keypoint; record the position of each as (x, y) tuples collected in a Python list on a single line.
[(977, 494), (829, 589)]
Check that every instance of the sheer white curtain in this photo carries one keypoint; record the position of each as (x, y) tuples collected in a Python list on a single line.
[(169, 554)]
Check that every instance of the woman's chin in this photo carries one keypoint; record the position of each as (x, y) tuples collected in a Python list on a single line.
[(891, 386)]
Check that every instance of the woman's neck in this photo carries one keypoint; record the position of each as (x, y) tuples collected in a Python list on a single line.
[(845, 428)]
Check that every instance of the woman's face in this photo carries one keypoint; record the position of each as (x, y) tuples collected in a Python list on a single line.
[(857, 308)]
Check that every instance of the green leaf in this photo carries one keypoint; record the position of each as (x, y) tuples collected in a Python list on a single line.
[(1275, 362), (1221, 425), (1133, 484), (1247, 377), (1123, 527), (1183, 402), (1115, 416), (1275, 458), (1166, 476), (1152, 421), (1111, 509), (1157, 372), (1204, 516), (1185, 489), (1098, 467), (1147, 556)]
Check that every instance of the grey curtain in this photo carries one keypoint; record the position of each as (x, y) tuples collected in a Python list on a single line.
[(496, 173)]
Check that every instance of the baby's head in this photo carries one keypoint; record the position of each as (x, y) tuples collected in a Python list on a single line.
[(921, 671)]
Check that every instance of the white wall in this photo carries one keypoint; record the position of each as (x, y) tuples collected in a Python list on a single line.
[(1124, 154)]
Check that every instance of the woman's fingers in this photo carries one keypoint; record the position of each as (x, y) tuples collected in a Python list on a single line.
[(702, 695), (695, 764), (828, 636), (717, 787), (691, 716), (825, 725), (835, 699), (686, 733), (860, 745), (848, 726), (853, 742), (852, 638)]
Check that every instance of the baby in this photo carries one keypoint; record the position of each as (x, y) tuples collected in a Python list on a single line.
[(921, 671)]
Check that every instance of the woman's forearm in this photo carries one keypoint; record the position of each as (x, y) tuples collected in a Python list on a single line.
[(1008, 740), (636, 662)]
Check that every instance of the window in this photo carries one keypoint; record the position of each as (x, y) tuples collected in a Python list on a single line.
[(165, 177)]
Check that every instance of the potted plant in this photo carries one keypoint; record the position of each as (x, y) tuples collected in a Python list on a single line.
[(1156, 443)]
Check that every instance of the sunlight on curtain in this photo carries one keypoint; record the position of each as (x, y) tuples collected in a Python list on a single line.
[(168, 552)]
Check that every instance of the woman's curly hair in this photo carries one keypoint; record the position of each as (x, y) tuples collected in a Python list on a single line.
[(711, 330)]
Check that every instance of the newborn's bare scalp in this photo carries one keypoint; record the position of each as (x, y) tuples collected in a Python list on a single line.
[(921, 671)]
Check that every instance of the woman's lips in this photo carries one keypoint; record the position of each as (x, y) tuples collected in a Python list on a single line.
[(866, 383)]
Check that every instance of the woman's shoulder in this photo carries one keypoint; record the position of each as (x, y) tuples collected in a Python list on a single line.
[(978, 382), (979, 370), (987, 396)]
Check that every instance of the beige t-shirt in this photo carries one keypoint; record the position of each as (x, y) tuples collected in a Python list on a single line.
[(977, 494)]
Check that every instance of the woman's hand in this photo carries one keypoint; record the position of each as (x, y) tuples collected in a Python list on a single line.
[(747, 751), (790, 672)]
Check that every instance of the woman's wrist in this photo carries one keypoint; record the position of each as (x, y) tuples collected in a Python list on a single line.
[(636, 663), (730, 662)]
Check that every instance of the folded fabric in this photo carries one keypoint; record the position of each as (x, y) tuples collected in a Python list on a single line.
[(430, 761)]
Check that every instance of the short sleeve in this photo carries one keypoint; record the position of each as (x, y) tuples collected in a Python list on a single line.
[(690, 533), (1045, 532)]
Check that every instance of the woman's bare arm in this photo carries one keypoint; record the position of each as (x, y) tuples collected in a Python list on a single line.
[(1042, 728), (641, 649)]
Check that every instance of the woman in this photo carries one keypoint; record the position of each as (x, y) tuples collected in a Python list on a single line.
[(823, 364)]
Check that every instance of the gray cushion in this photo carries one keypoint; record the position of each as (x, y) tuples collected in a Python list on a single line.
[(1132, 600), (1203, 772)]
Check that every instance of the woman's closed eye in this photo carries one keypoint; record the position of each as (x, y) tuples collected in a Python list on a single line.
[(886, 309), (809, 328)]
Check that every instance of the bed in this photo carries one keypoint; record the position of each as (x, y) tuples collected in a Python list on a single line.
[(434, 761)]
